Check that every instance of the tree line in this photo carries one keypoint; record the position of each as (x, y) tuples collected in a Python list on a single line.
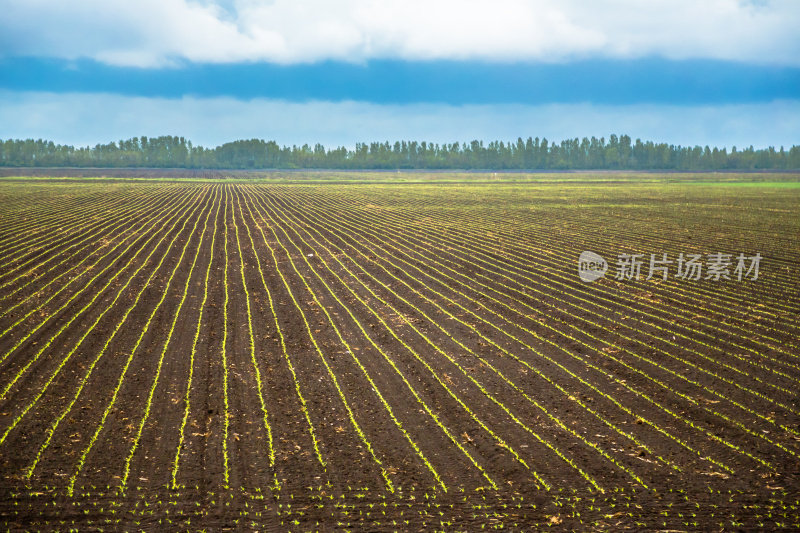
[(614, 153)]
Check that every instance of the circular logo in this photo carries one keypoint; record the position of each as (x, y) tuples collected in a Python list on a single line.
[(591, 266)]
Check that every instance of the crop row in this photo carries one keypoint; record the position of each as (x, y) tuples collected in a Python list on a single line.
[(420, 340)]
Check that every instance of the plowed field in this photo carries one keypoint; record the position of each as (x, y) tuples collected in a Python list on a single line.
[(253, 355)]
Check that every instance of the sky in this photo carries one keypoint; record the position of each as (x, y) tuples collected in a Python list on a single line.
[(689, 72)]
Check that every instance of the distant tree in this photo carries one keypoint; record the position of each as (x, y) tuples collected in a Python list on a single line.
[(620, 152)]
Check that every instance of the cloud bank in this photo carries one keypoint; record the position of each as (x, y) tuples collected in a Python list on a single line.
[(156, 33), (397, 82), (87, 119)]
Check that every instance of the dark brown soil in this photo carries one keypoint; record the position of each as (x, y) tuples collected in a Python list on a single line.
[(438, 363)]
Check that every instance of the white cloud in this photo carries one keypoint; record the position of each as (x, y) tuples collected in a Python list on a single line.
[(161, 32), (87, 119)]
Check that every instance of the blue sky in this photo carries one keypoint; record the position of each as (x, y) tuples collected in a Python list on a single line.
[(721, 72)]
